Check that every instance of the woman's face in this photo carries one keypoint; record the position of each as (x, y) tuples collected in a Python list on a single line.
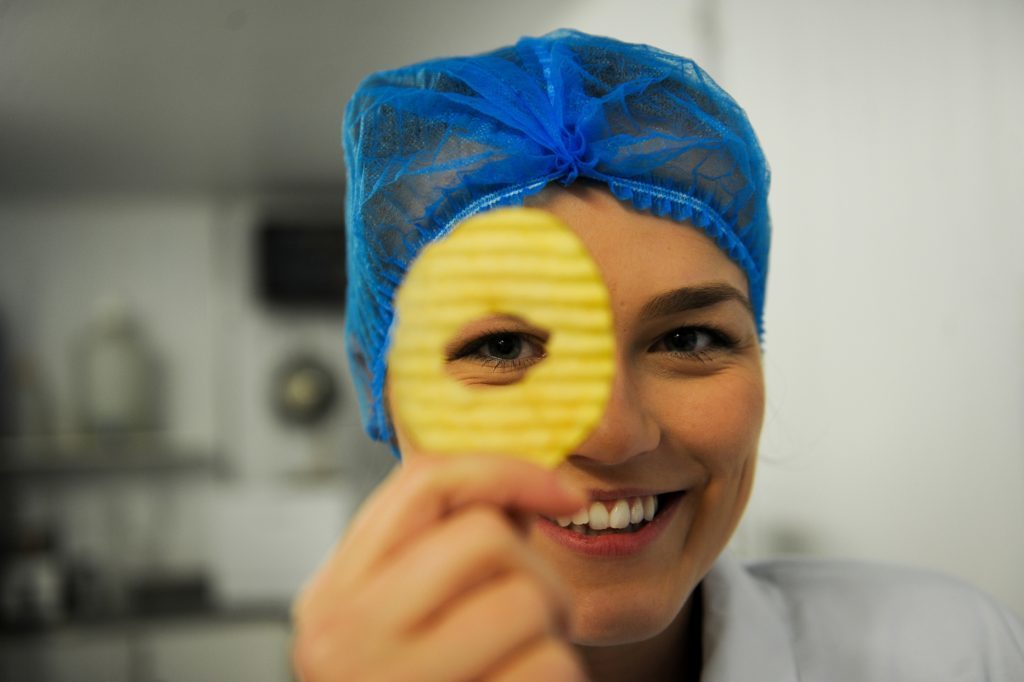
[(682, 424)]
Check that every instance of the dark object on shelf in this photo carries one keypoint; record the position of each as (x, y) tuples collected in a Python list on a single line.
[(162, 595), (304, 391), (31, 584), (6, 383), (302, 266), (61, 457), (89, 593)]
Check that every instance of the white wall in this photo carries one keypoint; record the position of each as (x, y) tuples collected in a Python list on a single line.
[(60, 256), (895, 315), (185, 267), (199, 94), (254, 341)]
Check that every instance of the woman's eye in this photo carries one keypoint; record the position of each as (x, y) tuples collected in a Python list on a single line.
[(505, 350), (502, 346), (688, 340), (694, 341)]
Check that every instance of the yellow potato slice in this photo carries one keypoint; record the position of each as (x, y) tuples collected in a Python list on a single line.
[(515, 262)]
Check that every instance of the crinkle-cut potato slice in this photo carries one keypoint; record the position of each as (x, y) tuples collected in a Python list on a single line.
[(516, 262)]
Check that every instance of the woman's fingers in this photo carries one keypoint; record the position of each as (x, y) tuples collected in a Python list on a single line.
[(476, 544), (429, 489), (435, 579), (487, 631), (544, 659), (489, 626), (433, 487)]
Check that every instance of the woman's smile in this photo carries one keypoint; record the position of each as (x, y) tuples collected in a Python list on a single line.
[(614, 527)]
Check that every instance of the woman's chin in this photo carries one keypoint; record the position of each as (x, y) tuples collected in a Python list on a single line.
[(623, 600), (604, 620)]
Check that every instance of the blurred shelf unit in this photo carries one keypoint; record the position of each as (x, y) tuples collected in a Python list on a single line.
[(251, 647), (75, 456)]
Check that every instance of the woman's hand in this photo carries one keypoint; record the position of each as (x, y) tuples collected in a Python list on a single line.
[(435, 581)]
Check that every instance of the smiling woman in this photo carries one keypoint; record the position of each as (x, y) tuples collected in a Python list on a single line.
[(611, 566), (682, 424)]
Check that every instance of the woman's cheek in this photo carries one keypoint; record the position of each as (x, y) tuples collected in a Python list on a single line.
[(717, 420)]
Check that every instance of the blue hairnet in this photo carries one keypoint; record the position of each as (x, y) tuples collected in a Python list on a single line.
[(431, 144)]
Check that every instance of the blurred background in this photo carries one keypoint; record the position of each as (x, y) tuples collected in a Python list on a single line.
[(180, 442)]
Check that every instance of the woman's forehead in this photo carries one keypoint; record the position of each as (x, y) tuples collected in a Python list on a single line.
[(641, 254)]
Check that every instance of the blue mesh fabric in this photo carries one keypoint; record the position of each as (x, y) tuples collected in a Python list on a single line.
[(431, 144)]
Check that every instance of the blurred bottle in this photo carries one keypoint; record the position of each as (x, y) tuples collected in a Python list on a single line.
[(26, 404), (31, 584), (31, 407), (6, 384), (116, 386)]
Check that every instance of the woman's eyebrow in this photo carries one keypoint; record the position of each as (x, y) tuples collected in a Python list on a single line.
[(693, 298)]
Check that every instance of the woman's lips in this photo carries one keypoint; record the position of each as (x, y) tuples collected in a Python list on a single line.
[(632, 540)]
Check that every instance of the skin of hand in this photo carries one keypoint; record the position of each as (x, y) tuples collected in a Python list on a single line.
[(438, 549)]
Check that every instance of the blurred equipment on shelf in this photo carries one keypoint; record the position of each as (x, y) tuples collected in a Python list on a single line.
[(31, 401), (304, 391), (31, 583), (6, 382), (118, 379), (26, 404), (162, 594), (302, 266)]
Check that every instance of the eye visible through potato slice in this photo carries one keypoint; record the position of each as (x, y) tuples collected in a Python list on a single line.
[(520, 264)]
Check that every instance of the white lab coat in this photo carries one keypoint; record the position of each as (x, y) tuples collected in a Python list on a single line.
[(840, 621)]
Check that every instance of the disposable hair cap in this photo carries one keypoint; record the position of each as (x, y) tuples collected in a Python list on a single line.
[(430, 144)]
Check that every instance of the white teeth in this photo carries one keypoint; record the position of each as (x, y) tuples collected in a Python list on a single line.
[(618, 518), (598, 516), (623, 514), (650, 507), (636, 511)]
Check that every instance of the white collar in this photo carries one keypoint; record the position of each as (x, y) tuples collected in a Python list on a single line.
[(746, 636)]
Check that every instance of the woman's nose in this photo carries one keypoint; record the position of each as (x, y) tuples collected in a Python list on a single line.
[(626, 430)]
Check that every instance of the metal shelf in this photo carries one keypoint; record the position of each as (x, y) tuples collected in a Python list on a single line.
[(74, 456)]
